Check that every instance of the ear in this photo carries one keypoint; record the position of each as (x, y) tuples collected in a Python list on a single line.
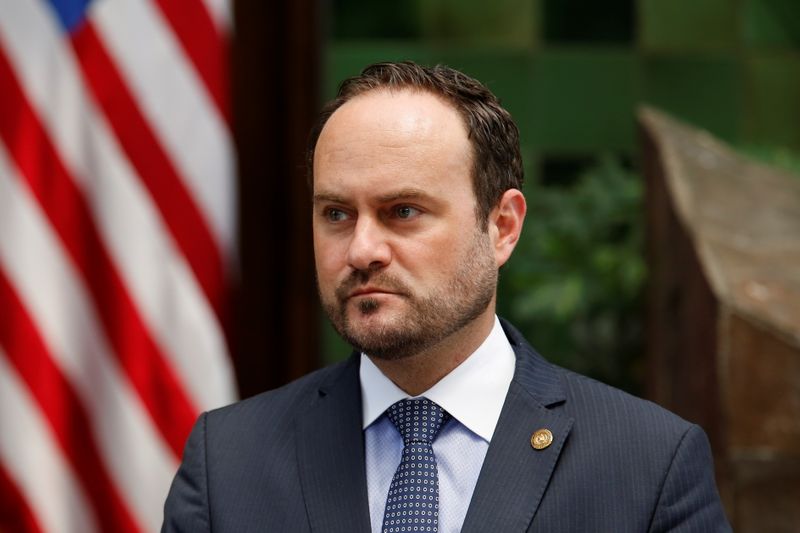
[(505, 224)]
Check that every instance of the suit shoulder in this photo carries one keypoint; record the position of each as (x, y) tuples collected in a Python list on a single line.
[(613, 410), (284, 403), (598, 409)]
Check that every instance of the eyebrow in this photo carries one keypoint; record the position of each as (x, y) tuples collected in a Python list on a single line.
[(327, 197), (402, 194)]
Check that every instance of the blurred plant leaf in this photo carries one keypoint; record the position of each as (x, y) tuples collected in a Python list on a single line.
[(575, 282)]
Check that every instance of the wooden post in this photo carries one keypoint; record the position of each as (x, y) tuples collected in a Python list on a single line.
[(724, 313)]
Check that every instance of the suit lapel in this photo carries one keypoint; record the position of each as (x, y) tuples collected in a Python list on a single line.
[(330, 449), (514, 475)]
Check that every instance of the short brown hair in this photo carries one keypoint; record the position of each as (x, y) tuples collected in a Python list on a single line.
[(494, 136)]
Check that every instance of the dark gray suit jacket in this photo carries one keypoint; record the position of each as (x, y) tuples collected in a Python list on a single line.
[(292, 460)]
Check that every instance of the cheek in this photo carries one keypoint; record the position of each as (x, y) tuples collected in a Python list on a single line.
[(327, 281), (432, 260), (329, 257)]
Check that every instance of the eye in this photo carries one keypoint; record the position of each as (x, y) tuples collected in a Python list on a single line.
[(406, 211), (333, 214)]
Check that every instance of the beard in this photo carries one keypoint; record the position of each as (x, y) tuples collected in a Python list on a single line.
[(429, 318)]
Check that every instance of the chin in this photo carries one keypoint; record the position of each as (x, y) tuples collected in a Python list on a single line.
[(373, 322)]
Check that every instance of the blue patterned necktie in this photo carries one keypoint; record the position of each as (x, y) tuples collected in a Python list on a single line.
[(413, 500)]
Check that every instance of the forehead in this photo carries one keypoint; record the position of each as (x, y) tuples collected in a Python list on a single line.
[(403, 135)]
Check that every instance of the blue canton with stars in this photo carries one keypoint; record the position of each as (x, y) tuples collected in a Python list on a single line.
[(70, 12), (413, 500)]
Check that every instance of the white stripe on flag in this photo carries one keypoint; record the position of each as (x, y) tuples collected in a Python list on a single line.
[(164, 289), (221, 13), (174, 100), (34, 461), (138, 460)]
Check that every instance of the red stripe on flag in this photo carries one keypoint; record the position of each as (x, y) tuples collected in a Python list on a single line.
[(203, 44), (60, 405), (15, 515), (184, 219), (70, 216)]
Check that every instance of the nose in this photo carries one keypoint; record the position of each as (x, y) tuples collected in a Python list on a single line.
[(369, 248)]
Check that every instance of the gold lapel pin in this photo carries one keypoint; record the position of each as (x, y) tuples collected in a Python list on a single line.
[(541, 439)]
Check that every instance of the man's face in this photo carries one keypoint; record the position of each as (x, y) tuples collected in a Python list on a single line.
[(402, 263)]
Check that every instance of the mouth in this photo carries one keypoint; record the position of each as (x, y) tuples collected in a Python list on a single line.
[(380, 287), (369, 291)]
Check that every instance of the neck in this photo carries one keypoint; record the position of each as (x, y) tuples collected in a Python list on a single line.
[(417, 373)]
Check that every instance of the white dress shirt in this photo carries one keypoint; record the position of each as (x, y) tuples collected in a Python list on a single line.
[(473, 393)]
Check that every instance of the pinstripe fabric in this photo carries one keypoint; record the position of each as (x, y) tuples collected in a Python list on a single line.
[(293, 460)]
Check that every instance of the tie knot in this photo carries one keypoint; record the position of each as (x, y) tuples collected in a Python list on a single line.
[(417, 419)]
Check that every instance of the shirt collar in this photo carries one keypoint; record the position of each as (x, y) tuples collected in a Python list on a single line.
[(473, 393)]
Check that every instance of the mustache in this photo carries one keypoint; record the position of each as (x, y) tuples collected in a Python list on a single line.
[(380, 280)]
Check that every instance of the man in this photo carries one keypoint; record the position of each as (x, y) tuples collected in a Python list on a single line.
[(444, 419)]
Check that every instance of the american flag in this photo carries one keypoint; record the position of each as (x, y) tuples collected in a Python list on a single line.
[(117, 238)]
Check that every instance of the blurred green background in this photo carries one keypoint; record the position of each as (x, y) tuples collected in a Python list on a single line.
[(572, 74)]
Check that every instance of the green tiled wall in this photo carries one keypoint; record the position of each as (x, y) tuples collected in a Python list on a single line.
[(702, 90), (507, 23), (572, 73), (772, 24), (579, 21), (772, 85), (582, 100), (688, 25)]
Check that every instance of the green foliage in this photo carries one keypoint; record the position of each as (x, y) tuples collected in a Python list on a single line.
[(574, 284)]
